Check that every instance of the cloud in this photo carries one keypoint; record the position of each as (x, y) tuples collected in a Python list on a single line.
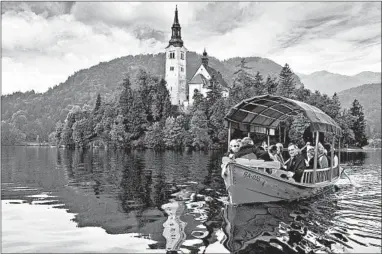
[(45, 42), (45, 9)]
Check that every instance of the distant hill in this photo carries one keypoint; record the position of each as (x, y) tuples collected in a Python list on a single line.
[(369, 96), (329, 83), (43, 110)]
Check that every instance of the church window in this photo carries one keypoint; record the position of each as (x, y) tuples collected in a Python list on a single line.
[(171, 55), (181, 69), (171, 68), (182, 55)]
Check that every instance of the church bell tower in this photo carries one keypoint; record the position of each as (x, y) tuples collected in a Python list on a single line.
[(175, 74)]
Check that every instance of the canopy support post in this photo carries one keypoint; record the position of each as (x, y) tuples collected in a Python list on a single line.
[(332, 158), (229, 134), (268, 137), (315, 159), (339, 153)]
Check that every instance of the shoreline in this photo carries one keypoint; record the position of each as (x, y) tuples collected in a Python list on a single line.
[(49, 145)]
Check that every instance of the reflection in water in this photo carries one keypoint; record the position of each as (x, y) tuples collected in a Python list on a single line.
[(176, 201)]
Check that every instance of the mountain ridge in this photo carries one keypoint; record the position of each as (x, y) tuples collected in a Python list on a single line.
[(330, 83), (369, 96)]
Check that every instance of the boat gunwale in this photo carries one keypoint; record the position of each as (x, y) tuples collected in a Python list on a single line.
[(296, 184)]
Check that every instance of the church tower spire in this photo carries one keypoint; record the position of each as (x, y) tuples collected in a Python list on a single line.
[(176, 64), (176, 36), (205, 58)]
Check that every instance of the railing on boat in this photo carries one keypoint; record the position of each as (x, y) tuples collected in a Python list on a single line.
[(322, 175)]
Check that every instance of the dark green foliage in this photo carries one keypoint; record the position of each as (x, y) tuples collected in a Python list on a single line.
[(259, 86), (118, 135), (136, 121), (154, 136), (297, 128), (199, 130), (270, 86), (287, 84), (369, 96), (173, 132), (359, 125), (345, 121), (10, 135), (139, 113), (98, 103)]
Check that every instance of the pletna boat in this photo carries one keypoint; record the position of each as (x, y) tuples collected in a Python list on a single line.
[(258, 181)]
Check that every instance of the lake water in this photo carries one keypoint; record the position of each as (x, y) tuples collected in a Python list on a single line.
[(56, 200)]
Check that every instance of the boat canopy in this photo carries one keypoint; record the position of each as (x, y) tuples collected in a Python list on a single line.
[(264, 113)]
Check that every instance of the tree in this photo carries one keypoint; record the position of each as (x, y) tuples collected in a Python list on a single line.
[(126, 97), (299, 124), (302, 94), (10, 135), (154, 136), (168, 137), (286, 86), (334, 106), (345, 120), (243, 84), (216, 126), (98, 103), (78, 134), (160, 102), (199, 130), (118, 135), (359, 125), (58, 132), (259, 87), (173, 132), (213, 95), (136, 121), (270, 86), (198, 101)]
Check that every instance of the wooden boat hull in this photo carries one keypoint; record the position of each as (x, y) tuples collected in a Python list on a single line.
[(247, 184)]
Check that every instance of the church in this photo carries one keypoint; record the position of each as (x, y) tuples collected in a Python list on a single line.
[(182, 90)]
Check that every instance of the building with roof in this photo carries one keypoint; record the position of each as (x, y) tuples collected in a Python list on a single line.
[(175, 73), (203, 78), (182, 90)]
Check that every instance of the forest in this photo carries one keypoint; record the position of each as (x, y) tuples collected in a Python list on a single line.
[(139, 115)]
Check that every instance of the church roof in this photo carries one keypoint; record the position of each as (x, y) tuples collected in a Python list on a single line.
[(217, 75), (199, 79), (212, 72)]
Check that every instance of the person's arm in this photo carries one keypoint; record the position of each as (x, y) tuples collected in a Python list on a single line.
[(301, 164), (242, 152)]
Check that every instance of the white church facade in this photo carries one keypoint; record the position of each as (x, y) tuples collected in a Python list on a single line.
[(182, 90)]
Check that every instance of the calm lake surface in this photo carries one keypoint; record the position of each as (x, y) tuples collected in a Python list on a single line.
[(56, 200)]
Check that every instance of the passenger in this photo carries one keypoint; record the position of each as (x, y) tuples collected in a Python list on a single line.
[(296, 163), (329, 152), (264, 145), (234, 147), (247, 149), (322, 159), (279, 155), (239, 141), (310, 157), (304, 150), (270, 155)]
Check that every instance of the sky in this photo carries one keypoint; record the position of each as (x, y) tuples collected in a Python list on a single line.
[(45, 42)]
